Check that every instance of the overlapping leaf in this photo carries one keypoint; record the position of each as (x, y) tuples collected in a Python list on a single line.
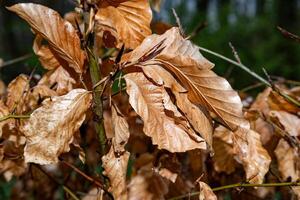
[(128, 20), (206, 192), (184, 60), (115, 168), (162, 121), (60, 34), (251, 154), (51, 127)]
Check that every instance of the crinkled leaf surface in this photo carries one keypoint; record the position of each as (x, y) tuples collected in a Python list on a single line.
[(251, 154), (162, 121), (115, 167), (60, 34), (51, 127), (129, 19), (184, 60), (206, 192)]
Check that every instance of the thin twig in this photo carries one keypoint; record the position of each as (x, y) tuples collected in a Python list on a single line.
[(11, 116), (242, 66), (16, 60), (235, 54), (288, 34), (239, 185), (65, 188), (92, 180), (198, 28), (251, 87), (178, 22)]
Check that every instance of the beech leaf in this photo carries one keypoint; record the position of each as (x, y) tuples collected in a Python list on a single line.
[(129, 19), (206, 192), (251, 154), (60, 34), (50, 128), (184, 60), (115, 167), (150, 102)]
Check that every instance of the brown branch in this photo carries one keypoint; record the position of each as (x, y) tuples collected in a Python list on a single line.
[(16, 60), (91, 179), (178, 22), (288, 34), (65, 188)]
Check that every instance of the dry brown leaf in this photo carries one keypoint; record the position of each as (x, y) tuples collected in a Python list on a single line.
[(206, 192), (46, 56), (183, 59), (128, 20), (115, 167), (251, 154), (94, 194), (164, 172), (147, 185), (121, 131), (16, 92), (223, 159), (288, 122), (152, 103), (11, 160), (201, 122), (288, 163), (60, 34), (2, 87), (59, 80), (277, 102), (51, 127)]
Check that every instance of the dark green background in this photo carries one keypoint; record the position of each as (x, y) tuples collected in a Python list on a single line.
[(249, 24)]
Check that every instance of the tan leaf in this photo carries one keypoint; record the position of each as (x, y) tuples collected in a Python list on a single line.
[(288, 122), (147, 185), (2, 86), (152, 103), (164, 172), (288, 163), (121, 131), (206, 192), (129, 19), (183, 59), (277, 102), (11, 160), (16, 92), (251, 154), (37, 94), (51, 127), (59, 80), (60, 34), (116, 169), (45, 54), (200, 121), (223, 159), (94, 194)]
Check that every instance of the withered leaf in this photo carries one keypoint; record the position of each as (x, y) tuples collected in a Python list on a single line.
[(116, 168), (206, 192), (121, 131), (288, 122), (223, 159), (183, 59), (51, 127), (151, 103), (197, 118), (288, 162), (251, 154), (129, 20), (147, 185), (45, 54), (59, 80), (16, 92), (60, 34)]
